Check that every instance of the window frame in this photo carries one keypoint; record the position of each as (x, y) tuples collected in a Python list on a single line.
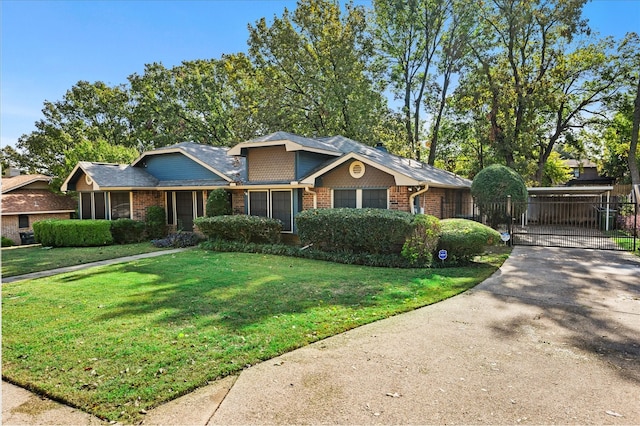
[(269, 213), (359, 192)]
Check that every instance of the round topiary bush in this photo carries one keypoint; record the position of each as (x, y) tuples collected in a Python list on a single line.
[(464, 238), (490, 189), (218, 203)]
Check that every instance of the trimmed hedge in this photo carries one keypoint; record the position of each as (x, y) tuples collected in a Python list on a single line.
[(127, 231), (73, 232), (464, 238), (155, 222), (241, 228), (7, 242), (419, 247), (218, 203), (347, 230)]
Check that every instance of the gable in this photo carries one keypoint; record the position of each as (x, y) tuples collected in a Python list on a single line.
[(270, 164), (341, 177), (175, 166)]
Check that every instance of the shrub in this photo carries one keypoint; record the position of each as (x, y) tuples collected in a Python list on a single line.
[(490, 188), (155, 222), (240, 227), (127, 231), (218, 203), (7, 242), (177, 240), (464, 238), (419, 247), (630, 224), (73, 233), (354, 230)]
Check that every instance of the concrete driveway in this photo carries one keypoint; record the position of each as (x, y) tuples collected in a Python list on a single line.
[(553, 337)]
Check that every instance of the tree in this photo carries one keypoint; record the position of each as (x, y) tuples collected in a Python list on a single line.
[(492, 185), (88, 111), (314, 70)]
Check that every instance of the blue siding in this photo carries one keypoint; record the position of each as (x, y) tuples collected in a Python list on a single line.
[(176, 167), (308, 161)]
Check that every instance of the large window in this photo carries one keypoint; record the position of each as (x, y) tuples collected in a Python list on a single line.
[(360, 198), (93, 205), (275, 203), (120, 205), (23, 221), (183, 207)]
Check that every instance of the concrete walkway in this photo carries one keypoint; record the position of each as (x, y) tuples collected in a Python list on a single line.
[(553, 337), (89, 265)]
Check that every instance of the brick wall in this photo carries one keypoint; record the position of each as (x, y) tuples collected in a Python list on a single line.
[(144, 199), (431, 201), (10, 224), (237, 201), (399, 198)]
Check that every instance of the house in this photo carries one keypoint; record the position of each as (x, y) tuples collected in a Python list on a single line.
[(277, 176), (27, 199), (585, 172)]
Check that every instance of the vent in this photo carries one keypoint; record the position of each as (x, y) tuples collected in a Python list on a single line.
[(356, 169)]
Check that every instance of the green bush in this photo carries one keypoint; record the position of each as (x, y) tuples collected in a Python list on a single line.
[(354, 230), (155, 222), (73, 233), (218, 203), (127, 231), (490, 189), (7, 242), (240, 227), (464, 238), (419, 247)]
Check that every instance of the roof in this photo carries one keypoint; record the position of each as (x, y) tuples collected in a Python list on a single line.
[(214, 158), (30, 201), (580, 163), (107, 175), (406, 171), (569, 190), (15, 182)]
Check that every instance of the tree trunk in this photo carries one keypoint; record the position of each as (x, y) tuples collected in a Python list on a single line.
[(633, 146)]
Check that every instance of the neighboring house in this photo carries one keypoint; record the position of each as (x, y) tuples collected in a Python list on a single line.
[(277, 176), (27, 199), (585, 172)]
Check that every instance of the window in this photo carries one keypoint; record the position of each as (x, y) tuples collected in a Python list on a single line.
[(275, 204), (93, 205), (120, 205), (23, 221), (183, 207), (360, 198), (374, 198), (344, 198)]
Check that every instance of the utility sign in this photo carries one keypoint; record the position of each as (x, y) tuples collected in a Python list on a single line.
[(442, 254)]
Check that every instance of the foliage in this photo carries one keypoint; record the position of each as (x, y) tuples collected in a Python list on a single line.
[(464, 239), (556, 171), (127, 231), (314, 70), (152, 330), (6, 242), (490, 188), (36, 259), (73, 232), (218, 203), (240, 227), (423, 240), (177, 240), (155, 222), (354, 230)]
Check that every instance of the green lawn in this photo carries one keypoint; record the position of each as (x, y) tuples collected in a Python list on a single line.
[(119, 339), (19, 261)]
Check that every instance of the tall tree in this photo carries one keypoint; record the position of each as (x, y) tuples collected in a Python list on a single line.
[(408, 35), (315, 72)]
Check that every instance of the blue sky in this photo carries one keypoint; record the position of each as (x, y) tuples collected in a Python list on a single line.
[(48, 46)]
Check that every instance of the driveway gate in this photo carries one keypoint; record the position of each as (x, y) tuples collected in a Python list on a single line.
[(577, 222)]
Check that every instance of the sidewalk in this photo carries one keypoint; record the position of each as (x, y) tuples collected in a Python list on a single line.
[(89, 265), (552, 338)]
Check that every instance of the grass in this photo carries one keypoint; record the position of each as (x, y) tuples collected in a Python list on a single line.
[(20, 261), (119, 339)]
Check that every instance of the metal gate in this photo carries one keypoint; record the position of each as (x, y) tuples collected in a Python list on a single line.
[(575, 222)]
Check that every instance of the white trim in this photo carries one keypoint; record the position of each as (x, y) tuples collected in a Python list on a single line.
[(357, 169), (37, 212), (358, 195)]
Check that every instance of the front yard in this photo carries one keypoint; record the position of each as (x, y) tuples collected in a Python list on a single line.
[(117, 340)]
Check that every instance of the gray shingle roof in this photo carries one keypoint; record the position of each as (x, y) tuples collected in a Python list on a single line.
[(118, 175), (213, 156)]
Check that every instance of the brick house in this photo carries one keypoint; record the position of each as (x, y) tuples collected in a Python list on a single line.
[(27, 199), (277, 176)]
